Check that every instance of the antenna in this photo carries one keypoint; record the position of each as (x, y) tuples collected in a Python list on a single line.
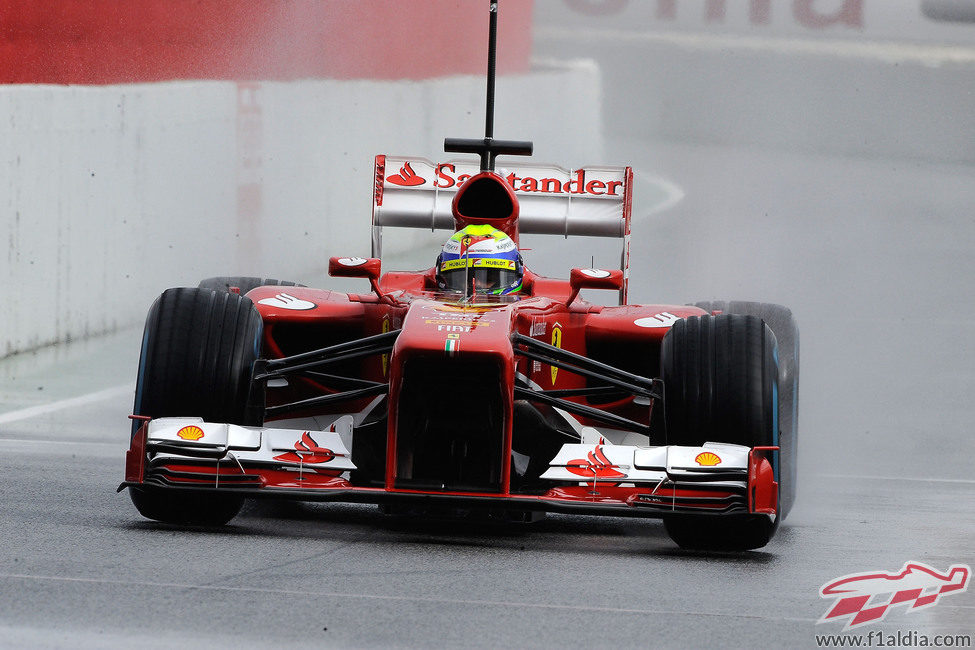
[(491, 71), (489, 148)]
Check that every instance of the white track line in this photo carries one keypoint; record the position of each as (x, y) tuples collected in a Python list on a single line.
[(59, 443), (60, 405), (674, 193), (411, 598), (897, 478)]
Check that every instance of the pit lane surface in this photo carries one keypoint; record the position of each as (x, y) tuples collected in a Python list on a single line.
[(873, 254)]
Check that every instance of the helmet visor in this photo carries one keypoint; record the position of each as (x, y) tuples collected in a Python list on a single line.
[(481, 280)]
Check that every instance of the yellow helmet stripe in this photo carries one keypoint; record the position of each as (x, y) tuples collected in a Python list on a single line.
[(478, 263), (481, 230)]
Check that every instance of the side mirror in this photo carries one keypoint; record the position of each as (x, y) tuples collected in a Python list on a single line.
[(593, 279), (359, 267), (355, 267)]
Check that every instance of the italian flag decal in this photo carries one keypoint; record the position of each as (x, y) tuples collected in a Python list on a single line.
[(452, 344)]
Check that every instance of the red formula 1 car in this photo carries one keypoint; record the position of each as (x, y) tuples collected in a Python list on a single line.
[(416, 395), (476, 385)]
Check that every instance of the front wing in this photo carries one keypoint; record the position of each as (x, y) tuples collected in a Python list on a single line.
[(613, 480)]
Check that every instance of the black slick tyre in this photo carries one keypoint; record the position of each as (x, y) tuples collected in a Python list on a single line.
[(720, 382), (244, 283), (186, 508), (198, 350), (786, 331)]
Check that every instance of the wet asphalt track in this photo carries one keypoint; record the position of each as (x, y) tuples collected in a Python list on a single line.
[(874, 255), (886, 447)]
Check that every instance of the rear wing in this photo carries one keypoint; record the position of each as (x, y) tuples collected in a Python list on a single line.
[(591, 201)]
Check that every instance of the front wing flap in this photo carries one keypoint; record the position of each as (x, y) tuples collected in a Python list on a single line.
[(616, 480), (716, 477), (173, 437)]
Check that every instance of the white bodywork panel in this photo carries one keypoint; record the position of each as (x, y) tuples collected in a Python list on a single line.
[(322, 449), (631, 464)]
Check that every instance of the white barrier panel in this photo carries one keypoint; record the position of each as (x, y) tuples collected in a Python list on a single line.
[(111, 194)]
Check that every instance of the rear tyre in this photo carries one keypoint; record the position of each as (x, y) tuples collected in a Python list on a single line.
[(198, 349), (245, 284), (720, 383), (786, 331)]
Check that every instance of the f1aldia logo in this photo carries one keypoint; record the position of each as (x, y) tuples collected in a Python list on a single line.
[(862, 598)]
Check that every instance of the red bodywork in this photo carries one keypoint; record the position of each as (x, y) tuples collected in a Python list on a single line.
[(456, 363)]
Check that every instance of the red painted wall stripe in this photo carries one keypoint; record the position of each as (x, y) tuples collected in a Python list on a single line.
[(134, 41)]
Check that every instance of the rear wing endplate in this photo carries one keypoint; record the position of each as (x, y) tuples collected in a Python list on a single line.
[(591, 201)]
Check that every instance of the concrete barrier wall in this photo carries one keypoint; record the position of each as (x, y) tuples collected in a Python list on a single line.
[(111, 194)]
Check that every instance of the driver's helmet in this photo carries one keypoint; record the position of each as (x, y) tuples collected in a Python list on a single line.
[(481, 259)]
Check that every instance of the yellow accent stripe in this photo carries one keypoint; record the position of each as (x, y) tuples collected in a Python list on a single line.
[(482, 230), (478, 263)]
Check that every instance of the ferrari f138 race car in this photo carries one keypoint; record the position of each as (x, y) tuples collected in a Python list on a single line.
[(436, 389), (475, 385)]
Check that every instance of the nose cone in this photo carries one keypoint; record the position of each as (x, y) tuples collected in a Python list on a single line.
[(433, 328)]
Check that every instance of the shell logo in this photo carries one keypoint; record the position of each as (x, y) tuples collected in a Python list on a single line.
[(190, 433), (708, 459)]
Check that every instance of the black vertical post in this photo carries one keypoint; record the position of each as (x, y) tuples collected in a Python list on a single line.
[(489, 148), (492, 67)]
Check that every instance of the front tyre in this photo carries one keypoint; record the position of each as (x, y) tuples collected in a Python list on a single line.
[(720, 381), (186, 508), (720, 532), (783, 325), (198, 350)]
